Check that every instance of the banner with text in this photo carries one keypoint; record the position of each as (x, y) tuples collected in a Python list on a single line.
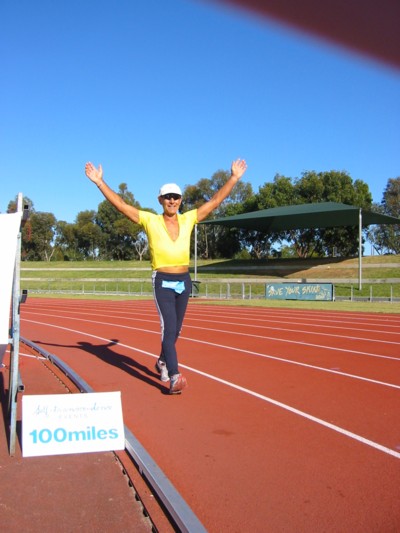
[(299, 291), (55, 424)]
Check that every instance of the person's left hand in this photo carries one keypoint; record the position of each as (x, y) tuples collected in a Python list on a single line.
[(238, 168)]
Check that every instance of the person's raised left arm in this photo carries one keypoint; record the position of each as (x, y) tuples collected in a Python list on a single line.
[(238, 168)]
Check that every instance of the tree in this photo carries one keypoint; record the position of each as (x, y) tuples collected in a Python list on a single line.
[(66, 241), (141, 244), (37, 237), (312, 187), (391, 197), (119, 233), (386, 238), (334, 186), (276, 194), (12, 204), (217, 241), (37, 234), (80, 240), (89, 237)]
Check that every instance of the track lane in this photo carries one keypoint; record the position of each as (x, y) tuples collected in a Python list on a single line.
[(221, 445), (324, 388)]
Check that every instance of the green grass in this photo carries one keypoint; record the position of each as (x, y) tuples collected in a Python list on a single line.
[(365, 307), (132, 279)]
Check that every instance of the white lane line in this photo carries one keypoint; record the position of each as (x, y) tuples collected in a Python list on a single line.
[(229, 332), (303, 414), (302, 343), (29, 356), (33, 356), (298, 363), (257, 354), (313, 324), (300, 320), (256, 326), (286, 407)]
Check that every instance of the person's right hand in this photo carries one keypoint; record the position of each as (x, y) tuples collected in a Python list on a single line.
[(93, 173)]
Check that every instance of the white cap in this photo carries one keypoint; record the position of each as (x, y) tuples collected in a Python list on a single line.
[(170, 188)]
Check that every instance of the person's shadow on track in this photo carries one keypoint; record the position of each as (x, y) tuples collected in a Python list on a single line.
[(109, 356)]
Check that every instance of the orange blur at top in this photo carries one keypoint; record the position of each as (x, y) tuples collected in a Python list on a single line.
[(368, 27)]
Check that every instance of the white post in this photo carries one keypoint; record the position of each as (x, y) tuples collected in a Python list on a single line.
[(360, 250), (195, 252), (15, 334)]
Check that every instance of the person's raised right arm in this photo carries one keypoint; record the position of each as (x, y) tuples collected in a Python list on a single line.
[(96, 175)]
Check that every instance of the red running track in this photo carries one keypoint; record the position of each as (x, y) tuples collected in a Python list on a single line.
[(291, 422)]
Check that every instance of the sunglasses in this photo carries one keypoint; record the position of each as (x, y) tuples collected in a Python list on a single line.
[(171, 196)]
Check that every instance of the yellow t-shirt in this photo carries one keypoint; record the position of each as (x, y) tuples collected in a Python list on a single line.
[(165, 252)]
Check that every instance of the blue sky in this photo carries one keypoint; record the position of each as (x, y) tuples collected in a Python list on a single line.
[(174, 91)]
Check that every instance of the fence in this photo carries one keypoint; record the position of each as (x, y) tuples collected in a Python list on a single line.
[(212, 289)]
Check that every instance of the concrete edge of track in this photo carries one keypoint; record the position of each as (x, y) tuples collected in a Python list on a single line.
[(177, 508)]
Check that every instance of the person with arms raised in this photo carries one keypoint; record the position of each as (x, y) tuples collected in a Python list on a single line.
[(169, 244)]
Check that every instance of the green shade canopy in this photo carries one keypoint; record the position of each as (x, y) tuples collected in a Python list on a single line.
[(319, 215)]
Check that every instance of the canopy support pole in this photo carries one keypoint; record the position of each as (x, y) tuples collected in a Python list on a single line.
[(195, 252), (360, 249)]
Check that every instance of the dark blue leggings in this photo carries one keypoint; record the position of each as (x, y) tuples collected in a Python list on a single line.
[(171, 307)]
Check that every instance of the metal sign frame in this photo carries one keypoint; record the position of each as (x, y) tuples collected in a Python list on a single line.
[(15, 382)]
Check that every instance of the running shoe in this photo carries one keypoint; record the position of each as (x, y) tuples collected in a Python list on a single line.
[(161, 368), (178, 383)]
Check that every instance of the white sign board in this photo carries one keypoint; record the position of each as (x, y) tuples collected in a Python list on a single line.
[(55, 424), (9, 229)]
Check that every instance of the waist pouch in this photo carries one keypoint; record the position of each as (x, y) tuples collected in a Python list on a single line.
[(177, 286)]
